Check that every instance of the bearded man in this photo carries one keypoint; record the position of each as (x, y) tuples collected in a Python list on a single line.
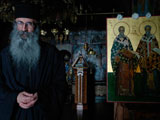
[(32, 74), (123, 63), (149, 62)]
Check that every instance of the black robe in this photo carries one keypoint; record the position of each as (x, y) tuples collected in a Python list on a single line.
[(47, 78)]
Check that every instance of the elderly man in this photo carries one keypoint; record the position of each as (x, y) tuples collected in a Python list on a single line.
[(32, 74), (149, 61), (123, 63)]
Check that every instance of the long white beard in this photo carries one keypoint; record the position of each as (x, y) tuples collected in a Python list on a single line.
[(25, 51)]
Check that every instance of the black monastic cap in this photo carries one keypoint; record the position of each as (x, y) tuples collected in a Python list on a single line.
[(27, 11)]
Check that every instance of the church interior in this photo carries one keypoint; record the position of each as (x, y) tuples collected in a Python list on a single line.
[(78, 28)]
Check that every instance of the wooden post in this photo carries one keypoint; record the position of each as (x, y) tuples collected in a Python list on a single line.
[(80, 71)]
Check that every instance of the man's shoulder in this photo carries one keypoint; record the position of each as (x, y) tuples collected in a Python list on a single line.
[(5, 50), (51, 52), (48, 47)]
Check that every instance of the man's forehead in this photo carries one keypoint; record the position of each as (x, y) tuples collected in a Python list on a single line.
[(122, 28), (148, 27), (25, 19)]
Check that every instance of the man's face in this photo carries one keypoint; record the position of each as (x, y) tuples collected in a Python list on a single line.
[(147, 29), (25, 24), (121, 30)]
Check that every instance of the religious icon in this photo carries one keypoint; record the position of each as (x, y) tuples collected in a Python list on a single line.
[(149, 59), (123, 63), (133, 55)]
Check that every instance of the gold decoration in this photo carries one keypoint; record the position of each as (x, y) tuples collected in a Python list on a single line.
[(91, 52), (54, 31), (43, 32), (117, 25), (148, 22)]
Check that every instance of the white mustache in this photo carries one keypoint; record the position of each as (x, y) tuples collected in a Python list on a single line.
[(24, 35)]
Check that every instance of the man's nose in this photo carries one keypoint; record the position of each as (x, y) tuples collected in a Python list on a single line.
[(24, 27)]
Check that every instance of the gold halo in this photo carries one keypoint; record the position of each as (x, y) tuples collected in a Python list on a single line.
[(117, 25), (148, 22)]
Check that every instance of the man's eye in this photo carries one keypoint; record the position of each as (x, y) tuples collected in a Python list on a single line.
[(20, 23), (29, 24)]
